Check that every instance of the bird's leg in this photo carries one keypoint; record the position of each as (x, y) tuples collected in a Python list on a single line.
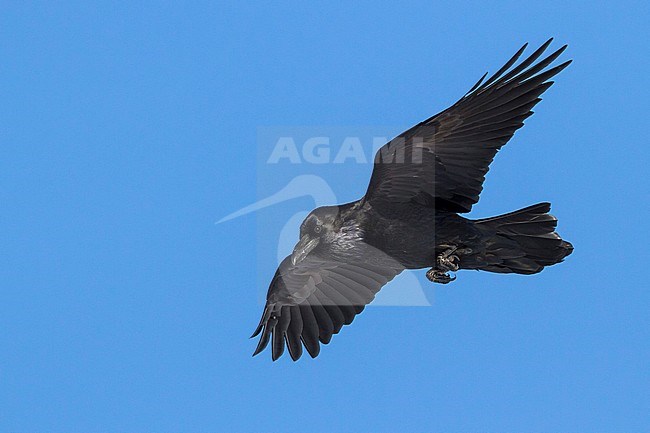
[(448, 261), (445, 263)]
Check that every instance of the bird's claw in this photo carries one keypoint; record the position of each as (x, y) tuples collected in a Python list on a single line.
[(445, 263), (438, 276)]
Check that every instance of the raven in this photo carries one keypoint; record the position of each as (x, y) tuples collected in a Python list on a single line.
[(408, 218)]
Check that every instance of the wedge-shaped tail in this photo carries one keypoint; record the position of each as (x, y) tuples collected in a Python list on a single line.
[(524, 241)]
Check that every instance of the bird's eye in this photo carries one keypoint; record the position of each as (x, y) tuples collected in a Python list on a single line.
[(317, 229)]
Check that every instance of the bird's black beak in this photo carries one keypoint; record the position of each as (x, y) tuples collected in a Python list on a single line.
[(304, 247)]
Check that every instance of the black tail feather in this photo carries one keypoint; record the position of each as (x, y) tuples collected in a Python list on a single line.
[(523, 242)]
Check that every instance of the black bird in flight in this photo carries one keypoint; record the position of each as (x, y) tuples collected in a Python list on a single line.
[(408, 219)]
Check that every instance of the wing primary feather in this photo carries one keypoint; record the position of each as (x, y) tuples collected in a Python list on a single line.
[(539, 65), (293, 333), (335, 313), (325, 324), (279, 332), (277, 343), (506, 104), (265, 316), (478, 83), (264, 340), (547, 74), (523, 95), (309, 334), (505, 67), (526, 62)]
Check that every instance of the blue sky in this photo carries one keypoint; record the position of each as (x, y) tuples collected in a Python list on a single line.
[(127, 130)]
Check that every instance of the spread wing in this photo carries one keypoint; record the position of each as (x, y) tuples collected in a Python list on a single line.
[(442, 161), (311, 301)]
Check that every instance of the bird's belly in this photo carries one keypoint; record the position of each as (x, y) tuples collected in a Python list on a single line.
[(416, 242)]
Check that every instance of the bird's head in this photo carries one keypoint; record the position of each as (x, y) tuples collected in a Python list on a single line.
[(316, 232)]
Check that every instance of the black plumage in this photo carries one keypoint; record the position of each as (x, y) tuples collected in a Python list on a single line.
[(408, 218)]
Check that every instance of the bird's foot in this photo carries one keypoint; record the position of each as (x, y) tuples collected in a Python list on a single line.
[(448, 261), (437, 276)]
